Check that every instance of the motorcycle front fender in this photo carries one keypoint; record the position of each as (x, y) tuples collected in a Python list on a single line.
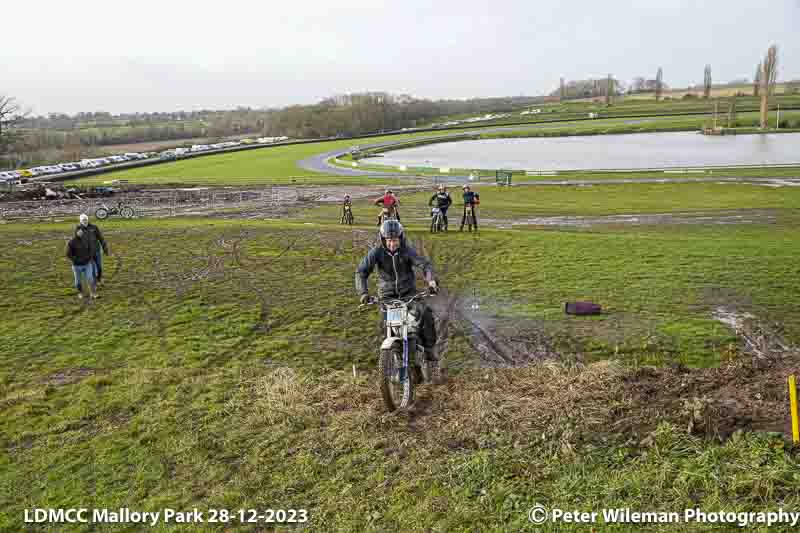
[(389, 341)]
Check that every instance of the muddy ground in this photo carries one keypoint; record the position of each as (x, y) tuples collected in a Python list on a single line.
[(228, 202), (747, 392), (283, 201)]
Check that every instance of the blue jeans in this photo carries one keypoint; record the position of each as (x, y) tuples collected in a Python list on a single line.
[(98, 264), (86, 271)]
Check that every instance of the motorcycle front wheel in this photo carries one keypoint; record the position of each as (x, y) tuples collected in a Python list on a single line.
[(397, 384)]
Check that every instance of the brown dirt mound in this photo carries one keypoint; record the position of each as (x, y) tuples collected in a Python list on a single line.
[(745, 395)]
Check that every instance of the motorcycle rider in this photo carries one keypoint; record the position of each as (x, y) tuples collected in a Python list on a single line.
[(443, 201), (470, 199), (347, 204), (389, 201), (396, 260)]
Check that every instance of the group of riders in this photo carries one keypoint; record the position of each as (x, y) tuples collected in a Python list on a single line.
[(442, 200), (395, 260)]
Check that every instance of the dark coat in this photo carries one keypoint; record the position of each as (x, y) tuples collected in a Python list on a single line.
[(80, 250), (95, 236), (396, 278)]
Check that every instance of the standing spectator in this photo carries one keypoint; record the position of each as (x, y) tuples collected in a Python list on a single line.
[(443, 201), (81, 252), (470, 199), (98, 244)]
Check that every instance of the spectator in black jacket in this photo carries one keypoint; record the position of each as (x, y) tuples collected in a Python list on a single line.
[(99, 244), (80, 252), (443, 201)]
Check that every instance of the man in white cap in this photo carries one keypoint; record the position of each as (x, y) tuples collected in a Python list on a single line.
[(80, 253), (97, 242)]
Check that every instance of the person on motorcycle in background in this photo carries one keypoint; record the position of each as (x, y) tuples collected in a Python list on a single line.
[(395, 260), (347, 204), (470, 199), (390, 202), (443, 201)]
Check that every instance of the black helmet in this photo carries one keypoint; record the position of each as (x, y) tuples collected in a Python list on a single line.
[(391, 229)]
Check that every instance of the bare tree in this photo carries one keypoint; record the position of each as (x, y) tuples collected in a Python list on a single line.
[(707, 82), (11, 113), (769, 73), (563, 93), (609, 89), (757, 80), (637, 85), (732, 113), (659, 83)]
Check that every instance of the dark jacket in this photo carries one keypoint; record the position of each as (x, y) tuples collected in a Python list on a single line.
[(80, 250), (443, 200), (95, 236), (396, 277), (470, 198)]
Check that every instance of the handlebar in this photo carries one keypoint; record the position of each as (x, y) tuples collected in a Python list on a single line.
[(423, 294)]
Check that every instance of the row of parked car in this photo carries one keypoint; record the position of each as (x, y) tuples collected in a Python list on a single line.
[(14, 175), (10, 175), (227, 144)]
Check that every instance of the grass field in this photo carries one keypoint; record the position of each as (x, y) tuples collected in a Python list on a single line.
[(219, 375), (269, 165), (217, 368), (644, 104)]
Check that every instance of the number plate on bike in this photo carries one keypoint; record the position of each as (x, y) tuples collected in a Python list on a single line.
[(394, 316)]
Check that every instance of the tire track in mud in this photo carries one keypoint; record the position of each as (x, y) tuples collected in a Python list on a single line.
[(492, 349)]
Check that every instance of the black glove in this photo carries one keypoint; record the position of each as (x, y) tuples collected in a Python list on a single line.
[(364, 298), (433, 287)]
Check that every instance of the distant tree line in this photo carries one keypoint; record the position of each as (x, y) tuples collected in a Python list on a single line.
[(589, 88), (375, 112), (59, 135)]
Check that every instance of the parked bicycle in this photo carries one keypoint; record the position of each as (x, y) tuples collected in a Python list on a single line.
[(125, 211)]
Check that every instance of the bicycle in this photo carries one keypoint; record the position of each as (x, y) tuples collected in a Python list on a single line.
[(125, 211)]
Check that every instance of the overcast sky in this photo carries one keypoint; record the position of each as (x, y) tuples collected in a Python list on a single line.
[(179, 55)]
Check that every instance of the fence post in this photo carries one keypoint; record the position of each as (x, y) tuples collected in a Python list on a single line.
[(793, 409)]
